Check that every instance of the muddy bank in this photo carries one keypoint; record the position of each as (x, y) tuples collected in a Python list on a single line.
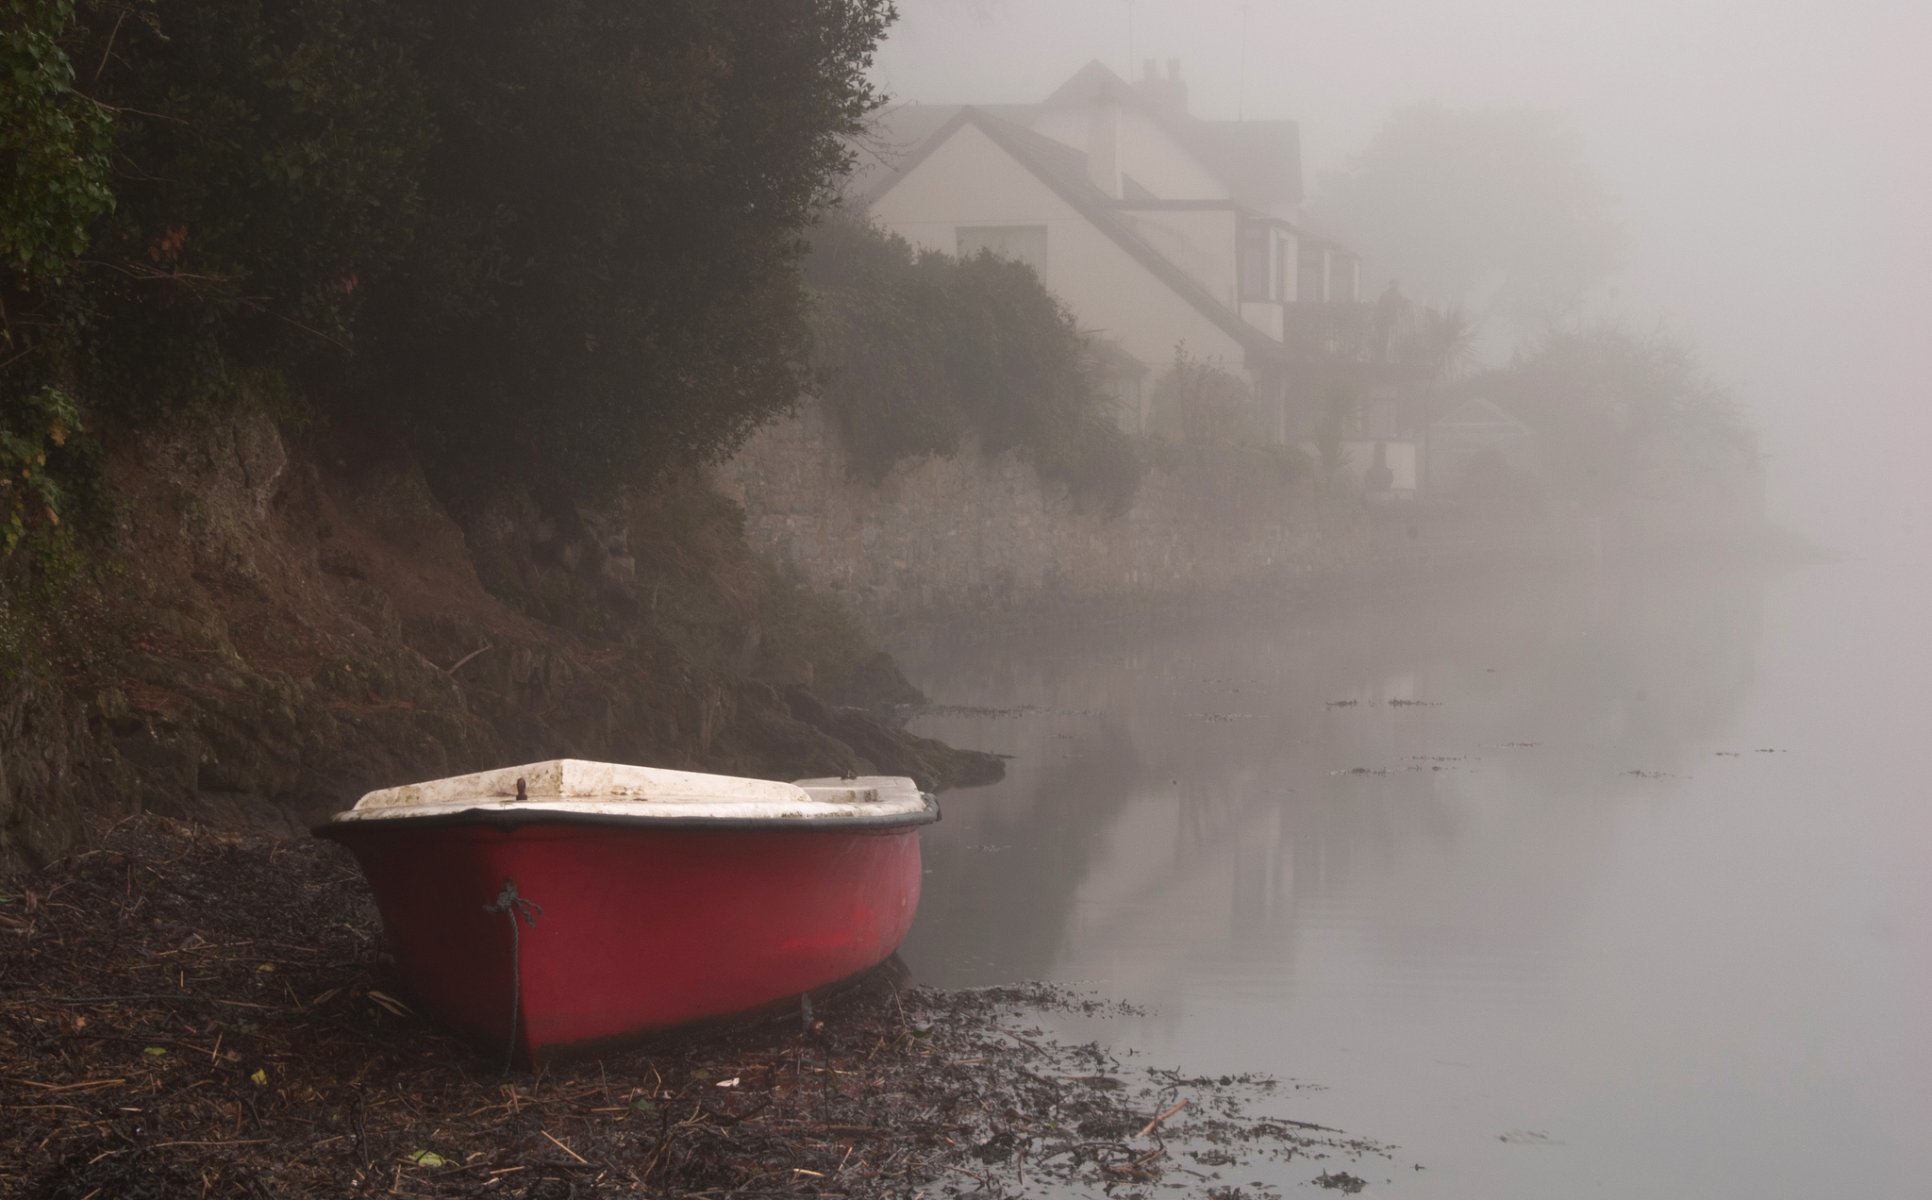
[(198, 1013), (261, 625)]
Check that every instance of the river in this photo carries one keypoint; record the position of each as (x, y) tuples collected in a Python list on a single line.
[(1564, 887)]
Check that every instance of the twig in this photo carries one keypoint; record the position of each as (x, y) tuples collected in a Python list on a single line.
[(116, 108), (456, 666), (111, 35), (567, 1150), (165, 997), (1151, 1125)]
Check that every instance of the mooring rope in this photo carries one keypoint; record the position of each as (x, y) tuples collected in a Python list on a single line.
[(507, 901)]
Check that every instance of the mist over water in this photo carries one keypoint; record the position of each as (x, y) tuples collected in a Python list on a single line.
[(1608, 883), (1767, 161), (1570, 887)]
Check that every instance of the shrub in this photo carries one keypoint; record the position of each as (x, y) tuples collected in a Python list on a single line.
[(1199, 403), (553, 246), (918, 351)]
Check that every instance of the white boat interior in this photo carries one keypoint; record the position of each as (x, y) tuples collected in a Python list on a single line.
[(586, 789)]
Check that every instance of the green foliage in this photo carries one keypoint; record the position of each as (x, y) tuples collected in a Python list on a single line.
[(265, 165), (918, 352), (606, 278), (32, 431), (555, 246), (53, 143)]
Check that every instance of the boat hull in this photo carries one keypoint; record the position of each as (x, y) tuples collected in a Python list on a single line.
[(624, 930)]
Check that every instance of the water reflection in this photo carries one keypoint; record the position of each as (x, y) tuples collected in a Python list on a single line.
[(1197, 798), (1561, 884)]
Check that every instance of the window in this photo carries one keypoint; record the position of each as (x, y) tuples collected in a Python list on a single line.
[(1021, 243)]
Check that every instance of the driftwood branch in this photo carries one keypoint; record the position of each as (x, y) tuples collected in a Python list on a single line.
[(1162, 1116)]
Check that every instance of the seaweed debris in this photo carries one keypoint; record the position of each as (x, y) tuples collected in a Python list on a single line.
[(190, 1012)]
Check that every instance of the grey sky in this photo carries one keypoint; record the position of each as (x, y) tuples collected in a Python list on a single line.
[(1772, 159)]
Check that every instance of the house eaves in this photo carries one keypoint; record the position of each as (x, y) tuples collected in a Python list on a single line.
[(1063, 171)]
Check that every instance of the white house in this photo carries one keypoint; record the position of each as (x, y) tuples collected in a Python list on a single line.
[(1154, 227)]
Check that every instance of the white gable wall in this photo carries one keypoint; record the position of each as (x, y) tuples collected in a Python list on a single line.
[(969, 180), (1144, 151), (1199, 241), (1161, 165)]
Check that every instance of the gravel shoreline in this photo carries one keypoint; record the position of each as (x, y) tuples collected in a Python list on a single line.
[(188, 1012)]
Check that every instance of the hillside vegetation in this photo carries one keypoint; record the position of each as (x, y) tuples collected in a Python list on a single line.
[(546, 246), (356, 364)]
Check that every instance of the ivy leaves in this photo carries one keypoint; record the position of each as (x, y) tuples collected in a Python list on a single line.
[(53, 144)]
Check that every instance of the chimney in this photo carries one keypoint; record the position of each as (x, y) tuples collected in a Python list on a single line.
[(1165, 92)]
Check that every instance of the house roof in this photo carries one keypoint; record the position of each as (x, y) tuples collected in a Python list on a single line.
[(1064, 170), (1259, 160), (1481, 414), (894, 134)]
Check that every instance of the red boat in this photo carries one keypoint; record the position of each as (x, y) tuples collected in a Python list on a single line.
[(568, 903)]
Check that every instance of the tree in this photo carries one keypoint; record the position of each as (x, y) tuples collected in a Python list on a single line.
[(606, 277), (1620, 412), (1490, 208), (1441, 341), (552, 246)]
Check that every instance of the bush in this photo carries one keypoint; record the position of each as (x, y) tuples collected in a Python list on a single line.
[(1198, 403), (53, 143), (30, 492), (553, 246), (918, 351)]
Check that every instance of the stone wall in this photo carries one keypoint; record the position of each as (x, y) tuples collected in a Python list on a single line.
[(979, 535), (986, 534)]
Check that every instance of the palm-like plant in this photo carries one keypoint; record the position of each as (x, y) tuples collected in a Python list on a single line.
[(1442, 341)]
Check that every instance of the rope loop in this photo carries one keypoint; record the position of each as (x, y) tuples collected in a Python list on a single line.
[(507, 901)]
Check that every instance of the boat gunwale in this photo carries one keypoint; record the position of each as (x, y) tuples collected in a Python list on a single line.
[(505, 819)]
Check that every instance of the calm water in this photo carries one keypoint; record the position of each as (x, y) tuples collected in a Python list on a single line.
[(1634, 901)]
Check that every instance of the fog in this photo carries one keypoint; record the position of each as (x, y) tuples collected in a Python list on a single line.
[(1610, 886), (1768, 159)]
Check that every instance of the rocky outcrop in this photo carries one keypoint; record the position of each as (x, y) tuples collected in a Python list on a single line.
[(267, 630)]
